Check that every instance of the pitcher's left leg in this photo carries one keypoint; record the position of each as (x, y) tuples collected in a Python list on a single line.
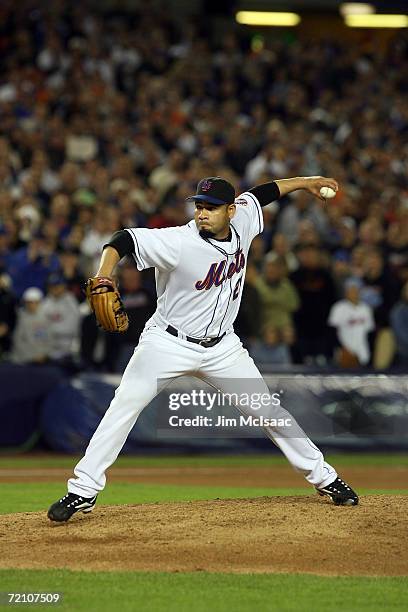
[(232, 370)]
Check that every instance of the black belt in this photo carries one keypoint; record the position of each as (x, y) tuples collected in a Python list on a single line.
[(205, 342)]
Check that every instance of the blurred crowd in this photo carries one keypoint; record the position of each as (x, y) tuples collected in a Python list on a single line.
[(103, 127)]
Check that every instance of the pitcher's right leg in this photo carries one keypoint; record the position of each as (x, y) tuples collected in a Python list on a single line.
[(157, 360), (136, 390)]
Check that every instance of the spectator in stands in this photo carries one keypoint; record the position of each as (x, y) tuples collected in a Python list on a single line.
[(51, 235), (257, 253), (358, 255), (380, 290), (397, 248), (270, 160), (250, 312), (5, 251), (271, 349), (279, 298), (75, 238), (371, 233), (70, 268), (301, 209), (308, 233), (353, 320), (399, 323), (280, 247), (166, 176), (31, 337), (7, 313), (340, 270), (60, 212), (346, 238), (61, 311), (316, 291), (29, 220), (31, 265)]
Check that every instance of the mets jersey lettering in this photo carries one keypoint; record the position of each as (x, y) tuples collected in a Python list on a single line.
[(215, 275)]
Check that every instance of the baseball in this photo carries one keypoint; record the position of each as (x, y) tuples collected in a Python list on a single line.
[(327, 192)]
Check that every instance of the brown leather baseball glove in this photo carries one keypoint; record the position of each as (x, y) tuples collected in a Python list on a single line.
[(105, 301)]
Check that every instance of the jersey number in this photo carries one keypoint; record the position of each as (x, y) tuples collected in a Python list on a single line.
[(236, 289)]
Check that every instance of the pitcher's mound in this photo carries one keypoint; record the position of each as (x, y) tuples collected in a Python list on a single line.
[(264, 534)]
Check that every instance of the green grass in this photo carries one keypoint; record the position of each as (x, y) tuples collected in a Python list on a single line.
[(37, 496), (339, 460), (203, 592), (30, 497)]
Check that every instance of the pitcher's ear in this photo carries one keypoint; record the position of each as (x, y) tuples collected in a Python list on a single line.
[(231, 210)]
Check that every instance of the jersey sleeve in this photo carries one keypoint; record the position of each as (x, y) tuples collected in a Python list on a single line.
[(249, 214), (337, 315), (156, 248)]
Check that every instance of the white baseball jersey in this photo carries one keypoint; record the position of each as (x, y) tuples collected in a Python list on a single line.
[(199, 283), (353, 322)]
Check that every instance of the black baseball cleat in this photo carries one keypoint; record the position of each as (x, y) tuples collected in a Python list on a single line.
[(340, 493), (65, 507)]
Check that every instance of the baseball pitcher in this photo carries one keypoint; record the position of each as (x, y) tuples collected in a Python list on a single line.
[(200, 269)]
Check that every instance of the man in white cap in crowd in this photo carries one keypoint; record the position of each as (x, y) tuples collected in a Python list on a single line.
[(31, 339)]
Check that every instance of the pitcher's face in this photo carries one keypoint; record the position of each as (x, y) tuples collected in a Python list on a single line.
[(213, 221)]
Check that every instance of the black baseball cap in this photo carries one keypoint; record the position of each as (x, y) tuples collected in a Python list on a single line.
[(214, 190)]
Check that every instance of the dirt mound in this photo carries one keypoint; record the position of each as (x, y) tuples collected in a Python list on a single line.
[(277, 534)]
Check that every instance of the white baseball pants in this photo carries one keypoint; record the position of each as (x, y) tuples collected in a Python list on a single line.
[(158, 359)]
